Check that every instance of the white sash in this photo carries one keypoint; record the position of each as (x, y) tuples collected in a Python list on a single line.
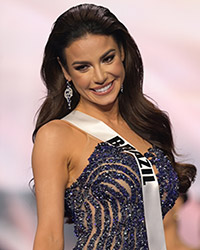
[(150, 188)]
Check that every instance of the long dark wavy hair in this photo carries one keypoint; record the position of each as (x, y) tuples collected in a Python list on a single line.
[(143, 117)]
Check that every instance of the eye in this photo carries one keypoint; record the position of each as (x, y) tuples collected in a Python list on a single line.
[(109, 59), (82, 68)]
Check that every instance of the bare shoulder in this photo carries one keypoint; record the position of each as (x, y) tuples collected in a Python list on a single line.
[(53, 142), (54, 130), (58, 138), (56, 133), (52, 152)]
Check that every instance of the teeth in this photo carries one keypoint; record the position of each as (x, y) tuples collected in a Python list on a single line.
[(103, 89)]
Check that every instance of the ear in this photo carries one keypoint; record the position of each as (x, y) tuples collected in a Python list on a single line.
[(122, 54), (65, 73)]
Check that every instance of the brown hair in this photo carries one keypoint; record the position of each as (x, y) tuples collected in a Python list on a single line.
[(137, 110)]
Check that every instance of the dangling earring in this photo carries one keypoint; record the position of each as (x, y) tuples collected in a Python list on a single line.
[(122, 89), (68, 93)]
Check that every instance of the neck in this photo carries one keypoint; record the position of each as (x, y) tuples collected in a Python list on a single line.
[(108, 114)]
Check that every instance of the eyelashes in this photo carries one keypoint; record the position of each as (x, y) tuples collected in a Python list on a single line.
[(109, 58), (84, 67)]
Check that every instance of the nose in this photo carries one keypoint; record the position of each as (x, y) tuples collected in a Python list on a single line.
[(100, 76)]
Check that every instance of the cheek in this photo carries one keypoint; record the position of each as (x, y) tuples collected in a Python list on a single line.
[(118, 69), (80, 82)]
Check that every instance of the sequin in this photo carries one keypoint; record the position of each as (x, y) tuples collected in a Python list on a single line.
[(106, 200)]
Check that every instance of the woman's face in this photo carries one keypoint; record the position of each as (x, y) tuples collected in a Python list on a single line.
[(95, 66)]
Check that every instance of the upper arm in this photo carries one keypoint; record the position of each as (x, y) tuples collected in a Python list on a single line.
[(49, 163)]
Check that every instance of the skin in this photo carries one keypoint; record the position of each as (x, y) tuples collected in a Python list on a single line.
[(95, 62), (173, 240), (95, 66)]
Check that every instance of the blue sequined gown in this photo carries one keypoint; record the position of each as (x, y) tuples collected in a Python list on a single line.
[(106, 200)]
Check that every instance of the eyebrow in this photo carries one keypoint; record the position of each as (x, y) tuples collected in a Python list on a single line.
[(86, 62)]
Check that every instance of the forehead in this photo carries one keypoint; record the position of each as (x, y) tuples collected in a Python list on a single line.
[(90, 46)]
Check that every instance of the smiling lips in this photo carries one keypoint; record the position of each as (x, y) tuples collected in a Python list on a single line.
[(103, 90)]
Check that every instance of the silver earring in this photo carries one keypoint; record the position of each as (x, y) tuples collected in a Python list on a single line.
[(122, 89), (68, 93)]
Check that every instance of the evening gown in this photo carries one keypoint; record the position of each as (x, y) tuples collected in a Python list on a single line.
[(106, 202)]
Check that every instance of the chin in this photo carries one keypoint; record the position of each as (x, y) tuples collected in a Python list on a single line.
[(107, 105)]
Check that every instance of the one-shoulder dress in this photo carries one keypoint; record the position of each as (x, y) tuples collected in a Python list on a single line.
[(106, 202)]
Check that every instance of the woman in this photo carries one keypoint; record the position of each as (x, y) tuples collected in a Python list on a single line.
[(85, 143)]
